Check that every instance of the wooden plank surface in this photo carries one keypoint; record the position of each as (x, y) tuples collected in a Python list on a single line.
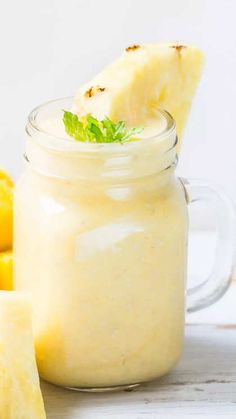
[(202, 385)]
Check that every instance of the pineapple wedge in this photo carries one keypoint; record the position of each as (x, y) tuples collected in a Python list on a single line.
[(145, 78), (6, 211), (20, 394), (6, 270)]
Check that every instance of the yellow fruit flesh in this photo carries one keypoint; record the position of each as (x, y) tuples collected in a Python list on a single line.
[(4, 176), (20, 394), (143, 79), (6, 212), (6, 274)]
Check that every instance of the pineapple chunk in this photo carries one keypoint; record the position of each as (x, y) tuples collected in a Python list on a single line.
[(5, 177), (145, 78), (6, 211), (6, 270), (20, 394)]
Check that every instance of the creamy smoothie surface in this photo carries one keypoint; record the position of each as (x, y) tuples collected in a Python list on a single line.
[(101, 229)]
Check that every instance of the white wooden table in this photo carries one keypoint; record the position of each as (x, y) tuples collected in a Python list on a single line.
[(202, 385)]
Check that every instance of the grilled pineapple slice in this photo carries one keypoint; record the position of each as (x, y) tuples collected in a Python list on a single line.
[(145, 78)]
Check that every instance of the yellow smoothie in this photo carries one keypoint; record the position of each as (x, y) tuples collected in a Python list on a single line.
[(100, 241)]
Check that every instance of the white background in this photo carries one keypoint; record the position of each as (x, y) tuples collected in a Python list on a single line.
[(49, 47)]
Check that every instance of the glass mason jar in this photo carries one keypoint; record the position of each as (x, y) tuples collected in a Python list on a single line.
[(101, 243)]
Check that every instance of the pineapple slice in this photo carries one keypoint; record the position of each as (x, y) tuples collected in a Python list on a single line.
[(145, 78), (6, 270), (5, 177), (6, 211), (20, 394)]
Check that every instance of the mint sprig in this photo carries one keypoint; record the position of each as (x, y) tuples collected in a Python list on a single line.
[(89, 129)]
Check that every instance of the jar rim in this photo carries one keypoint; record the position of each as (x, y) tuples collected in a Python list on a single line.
[(61, 143)]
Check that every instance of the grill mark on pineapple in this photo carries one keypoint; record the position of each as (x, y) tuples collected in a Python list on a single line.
[(93, 90), (132, 48), (178, 48)]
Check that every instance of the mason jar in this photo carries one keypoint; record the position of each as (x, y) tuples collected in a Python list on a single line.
[(100, 241)]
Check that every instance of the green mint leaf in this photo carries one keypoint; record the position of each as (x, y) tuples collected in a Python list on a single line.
[(131, 133), (108, 129), (90, 129)]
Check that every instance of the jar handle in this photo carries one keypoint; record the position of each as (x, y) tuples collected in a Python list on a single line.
[(213, 287)]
